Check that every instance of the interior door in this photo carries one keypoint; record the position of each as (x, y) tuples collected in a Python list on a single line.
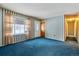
[(42, 29)]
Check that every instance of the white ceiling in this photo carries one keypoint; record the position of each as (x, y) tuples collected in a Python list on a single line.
[(43, 10)]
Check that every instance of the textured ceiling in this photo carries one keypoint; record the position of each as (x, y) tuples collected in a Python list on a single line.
[(43, 10)]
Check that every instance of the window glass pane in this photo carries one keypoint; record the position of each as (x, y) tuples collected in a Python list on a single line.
[(37, 27), (20, 27), (13, 29)]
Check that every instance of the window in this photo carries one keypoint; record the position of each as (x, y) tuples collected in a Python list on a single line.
[(37, 27), (18, 27)]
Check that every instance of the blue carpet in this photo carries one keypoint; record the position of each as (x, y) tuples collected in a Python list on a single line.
[(39, 47)]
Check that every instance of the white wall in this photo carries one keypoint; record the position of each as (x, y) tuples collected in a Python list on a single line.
[(55, 28), (0, 27), (36, 28)]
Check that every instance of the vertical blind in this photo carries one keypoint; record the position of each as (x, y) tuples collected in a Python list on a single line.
[(8, 39), (16, 27)]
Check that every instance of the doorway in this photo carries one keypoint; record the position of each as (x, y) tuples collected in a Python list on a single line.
[(71, 28)]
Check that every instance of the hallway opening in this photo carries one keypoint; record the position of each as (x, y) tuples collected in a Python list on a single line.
[(71, 28)]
